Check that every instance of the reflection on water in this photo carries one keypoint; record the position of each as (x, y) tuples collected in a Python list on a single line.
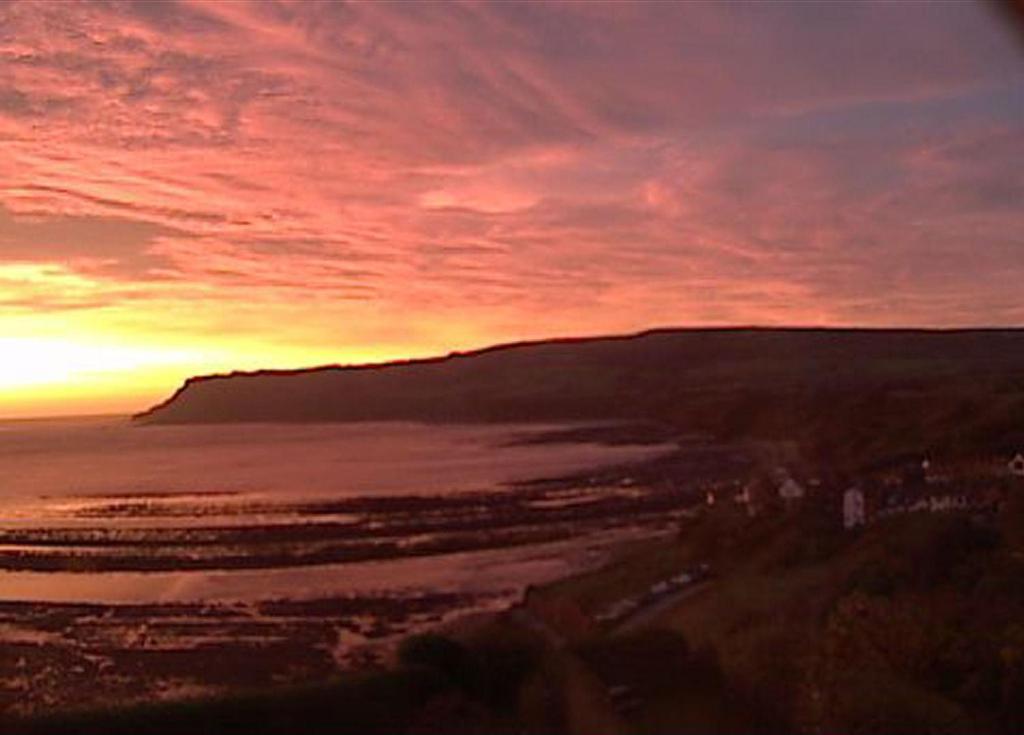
[(275, 550), (110, 457), (502, 571), (99, 509)]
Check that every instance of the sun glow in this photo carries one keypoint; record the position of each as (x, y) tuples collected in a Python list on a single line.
[(51, 374), (31, 362)]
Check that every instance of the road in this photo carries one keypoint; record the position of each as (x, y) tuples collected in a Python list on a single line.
[(646, 615)]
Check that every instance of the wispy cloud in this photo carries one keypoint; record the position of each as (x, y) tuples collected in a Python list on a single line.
[(418, 176)]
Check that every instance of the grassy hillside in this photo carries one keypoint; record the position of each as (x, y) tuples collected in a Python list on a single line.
[(853, 392), (913, 625)]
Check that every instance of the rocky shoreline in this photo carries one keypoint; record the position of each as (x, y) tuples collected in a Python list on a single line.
[(80, 654)]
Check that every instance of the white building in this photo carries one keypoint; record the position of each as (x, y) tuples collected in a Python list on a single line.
[(853, 508), (790, 490), (1016, 465)]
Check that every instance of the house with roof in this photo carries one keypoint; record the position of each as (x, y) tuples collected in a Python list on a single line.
[(791, 491), (935, 473), (853, 508)]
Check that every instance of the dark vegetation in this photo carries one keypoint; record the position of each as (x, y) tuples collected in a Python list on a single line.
[(845, 394), (912, 625), (658, 684), (377, 703), (926, 634), (490, 670)]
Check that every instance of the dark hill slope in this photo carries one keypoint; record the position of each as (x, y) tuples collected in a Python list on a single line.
[(815, 385)]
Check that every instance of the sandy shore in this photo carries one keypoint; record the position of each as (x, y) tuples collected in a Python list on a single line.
[(124, 597)]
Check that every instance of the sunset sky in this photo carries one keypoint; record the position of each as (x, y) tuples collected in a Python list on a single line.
[(196, 187)]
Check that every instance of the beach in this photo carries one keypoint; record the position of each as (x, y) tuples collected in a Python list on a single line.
[(133, 557)]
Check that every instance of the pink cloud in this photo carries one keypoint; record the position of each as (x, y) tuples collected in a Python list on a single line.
[(525, 169)]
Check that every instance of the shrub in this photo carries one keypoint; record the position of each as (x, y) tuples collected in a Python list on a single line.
[(441, 654)]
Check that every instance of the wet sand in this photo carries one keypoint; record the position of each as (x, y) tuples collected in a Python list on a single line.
[(79, 654), (129, 595), (370, 529)]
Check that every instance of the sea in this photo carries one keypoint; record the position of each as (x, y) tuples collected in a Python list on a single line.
[(131, 554), (103, 488)]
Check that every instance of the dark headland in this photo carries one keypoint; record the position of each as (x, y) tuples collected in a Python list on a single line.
[(842, 392)]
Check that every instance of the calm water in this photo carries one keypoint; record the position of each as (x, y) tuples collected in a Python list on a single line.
[(102, 510), (142, 563), (75, 458)]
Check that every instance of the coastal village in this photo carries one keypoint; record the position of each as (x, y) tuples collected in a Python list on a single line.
[(648, 592), (908, 485)]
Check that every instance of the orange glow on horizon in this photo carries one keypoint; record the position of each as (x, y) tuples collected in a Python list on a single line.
[(42, 377)]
